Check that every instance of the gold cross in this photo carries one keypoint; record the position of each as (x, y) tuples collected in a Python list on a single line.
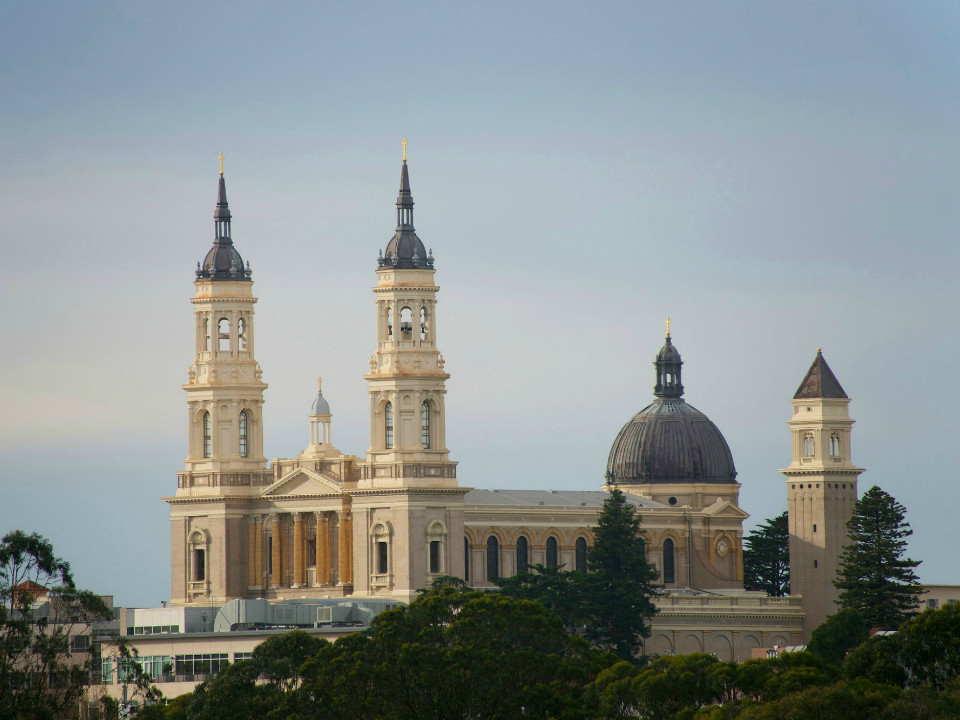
[(668, 327), (221, 163), (404, 149), (319, 384)]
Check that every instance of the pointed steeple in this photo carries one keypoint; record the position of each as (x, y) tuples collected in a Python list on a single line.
[(405, 250), (819, 382), (668, 364), (223, 261)]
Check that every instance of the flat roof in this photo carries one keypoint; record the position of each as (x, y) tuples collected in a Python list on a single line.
[(554, 498)]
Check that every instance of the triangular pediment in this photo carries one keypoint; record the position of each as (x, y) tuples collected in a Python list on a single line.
[(725, 508), (302, 481)]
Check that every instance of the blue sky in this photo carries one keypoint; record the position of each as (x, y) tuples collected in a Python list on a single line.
[(773, 176)]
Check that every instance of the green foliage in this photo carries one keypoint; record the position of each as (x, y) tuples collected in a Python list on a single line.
[(766, 557), (825, 702), (873, 577), (621, 583), (612, 604), (838, 635), (877, 660), (930, 647), (39, 676)]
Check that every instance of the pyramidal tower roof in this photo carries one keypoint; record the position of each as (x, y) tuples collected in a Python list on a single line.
[(819, 382)]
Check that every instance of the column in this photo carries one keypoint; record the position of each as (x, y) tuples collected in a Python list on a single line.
[(261, 543), (323, 549), (299, 578), (277, 555), (252, 551), (346, 548)]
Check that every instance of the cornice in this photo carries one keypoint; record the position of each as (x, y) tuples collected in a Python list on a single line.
[(410, 490)]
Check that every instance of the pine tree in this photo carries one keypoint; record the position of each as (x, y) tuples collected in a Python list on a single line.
[(621, 583), (766, 557), (874, 578)]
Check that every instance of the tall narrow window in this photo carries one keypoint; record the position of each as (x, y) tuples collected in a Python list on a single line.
[(434, 556), (388, 426), (580, 555), (206, 334), (207, 436), (835, 445), (808, 445), (423, 323), (552, 552), (199, 565), (243, 433), (523, 554), (493, 558), (466, 559), (406, 323), (389, 323), (382, 557), (223, 334), (425, 425), (669, 563), (241, 334)]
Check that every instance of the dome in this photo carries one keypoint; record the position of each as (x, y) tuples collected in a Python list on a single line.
[(320, 406), (670, 441)]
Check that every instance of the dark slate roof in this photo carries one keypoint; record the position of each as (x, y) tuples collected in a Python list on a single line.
[(670, 441), (554, 498), (222, 261), (405, 249), (819, 382)]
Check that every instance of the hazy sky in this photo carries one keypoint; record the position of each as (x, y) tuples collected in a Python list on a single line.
[(773, 176)]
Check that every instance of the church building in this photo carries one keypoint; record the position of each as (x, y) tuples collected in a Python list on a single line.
[(330, 524)]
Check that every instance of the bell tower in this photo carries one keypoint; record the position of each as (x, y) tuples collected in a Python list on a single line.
[(225, 465), (821, 490), (407, 507), (224, 388)]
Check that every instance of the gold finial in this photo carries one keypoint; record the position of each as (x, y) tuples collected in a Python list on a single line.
[(320, 385), (819, 350), (668, 327), (221, 163), (404, 149)]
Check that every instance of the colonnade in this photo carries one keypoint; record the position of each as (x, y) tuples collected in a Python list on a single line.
[(320, 539)]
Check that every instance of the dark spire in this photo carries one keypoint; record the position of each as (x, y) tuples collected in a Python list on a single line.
[(223, 261), (668, 364), (819, 382), (405, 250)]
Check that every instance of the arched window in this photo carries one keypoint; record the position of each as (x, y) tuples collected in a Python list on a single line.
[(406, 323), (523, 554), (198, 557), (207, 436), (580, 555), (423, 323), (808, 445), (389, 323), (466, 559), (493, 558), (425, 425), (241, 334), (380, 536), (388, 426), (243, 434), (552, 552), (835, 445), (223, 334), (669, 562)]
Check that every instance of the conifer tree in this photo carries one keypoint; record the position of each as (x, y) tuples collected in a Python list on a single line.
[(874, 577), (621, 583), (766, 557)]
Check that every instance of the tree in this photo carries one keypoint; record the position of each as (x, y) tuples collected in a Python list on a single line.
[(621, 583), (41, 614), (841, 632), (611, 604), (766, 557), (873, 577)]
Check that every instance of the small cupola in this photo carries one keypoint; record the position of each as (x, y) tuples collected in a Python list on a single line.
[(668, 364)]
